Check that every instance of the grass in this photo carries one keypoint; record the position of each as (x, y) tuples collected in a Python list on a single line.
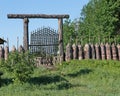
[(74, 78)]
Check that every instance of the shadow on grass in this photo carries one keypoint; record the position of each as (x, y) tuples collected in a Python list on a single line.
[(64, 85), (46, 79), (5, 81), (67, 85), (80, 72), (60, 83)]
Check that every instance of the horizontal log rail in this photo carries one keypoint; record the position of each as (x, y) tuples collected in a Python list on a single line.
[(21, 16)]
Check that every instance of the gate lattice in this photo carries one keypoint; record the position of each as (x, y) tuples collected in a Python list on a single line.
[(44, 42)]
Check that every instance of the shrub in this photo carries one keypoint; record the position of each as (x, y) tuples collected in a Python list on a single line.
[(20, 66)]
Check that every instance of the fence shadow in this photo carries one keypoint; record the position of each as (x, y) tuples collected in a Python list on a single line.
[(60, 82), (80, 72), (5, 81), (67, 85), (46, 79)]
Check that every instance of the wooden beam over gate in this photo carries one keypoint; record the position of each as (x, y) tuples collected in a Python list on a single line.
[(52, 16), (26, 17)]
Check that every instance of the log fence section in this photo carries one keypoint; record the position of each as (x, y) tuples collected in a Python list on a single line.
[(88, 51)]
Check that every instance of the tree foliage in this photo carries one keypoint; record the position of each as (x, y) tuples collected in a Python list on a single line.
[(19, 65), (99, 22), (68, 32), (100, 19)]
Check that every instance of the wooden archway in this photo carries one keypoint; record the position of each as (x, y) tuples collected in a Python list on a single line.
[(26, 17)]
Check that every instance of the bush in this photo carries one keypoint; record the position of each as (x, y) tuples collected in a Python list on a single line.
[(20, 66)]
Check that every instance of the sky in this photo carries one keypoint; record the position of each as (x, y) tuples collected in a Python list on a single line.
[(13, 28)]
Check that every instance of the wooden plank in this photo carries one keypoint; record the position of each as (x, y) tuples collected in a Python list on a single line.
[(21, 16)]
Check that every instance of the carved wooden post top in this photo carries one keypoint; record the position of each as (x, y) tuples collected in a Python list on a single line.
[(52, 16)]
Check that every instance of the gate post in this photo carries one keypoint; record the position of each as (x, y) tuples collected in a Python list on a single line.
[(25, 38), (60, 32)]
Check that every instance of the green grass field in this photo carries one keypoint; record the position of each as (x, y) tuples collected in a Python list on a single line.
[(74, 78)]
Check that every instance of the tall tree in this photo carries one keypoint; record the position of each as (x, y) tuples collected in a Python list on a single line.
[(68, 32), (100, 19)]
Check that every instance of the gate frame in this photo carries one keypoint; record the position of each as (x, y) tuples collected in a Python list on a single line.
[(26, 17)]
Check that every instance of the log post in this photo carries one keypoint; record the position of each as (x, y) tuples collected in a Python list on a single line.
[(114, 52), (75, 51), (97, 48), (6, 52), (87, 51), (1, 52), (69, 52), (103, 52), (93, 56), (108, 52), (118, 48), (80, 54), (60, 32), (20, 49), (13, 49), (26, 36)]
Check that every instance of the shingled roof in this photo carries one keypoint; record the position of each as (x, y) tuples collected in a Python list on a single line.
[(2, 41)]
